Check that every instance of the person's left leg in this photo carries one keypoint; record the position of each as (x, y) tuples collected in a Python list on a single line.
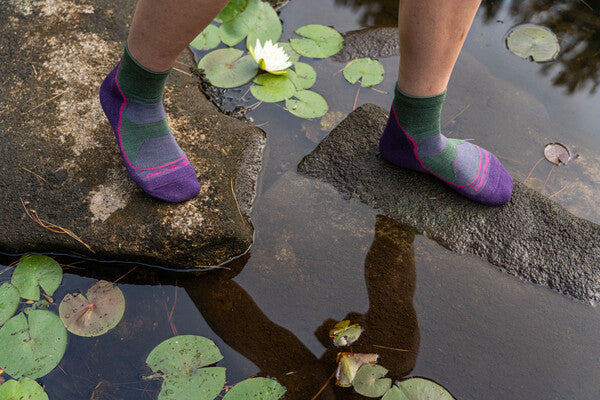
[(131, 95)]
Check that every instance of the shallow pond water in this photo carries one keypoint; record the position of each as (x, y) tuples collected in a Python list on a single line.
[(318, 257)]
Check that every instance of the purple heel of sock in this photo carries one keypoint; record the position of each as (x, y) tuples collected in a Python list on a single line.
[(173, 182)]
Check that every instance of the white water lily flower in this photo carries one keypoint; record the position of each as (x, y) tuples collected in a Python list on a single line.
[(270, 58)]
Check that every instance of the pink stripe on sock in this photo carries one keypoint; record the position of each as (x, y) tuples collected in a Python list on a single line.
[(119, 132), (415, 146)]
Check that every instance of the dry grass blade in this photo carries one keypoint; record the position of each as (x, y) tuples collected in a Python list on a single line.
[(125, 274), (33, 173), (323, 387), (236, 202), (45, 102), (183, 72), (389, 348)]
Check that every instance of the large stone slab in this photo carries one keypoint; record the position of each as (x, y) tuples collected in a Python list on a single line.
[(531, 237), (58, 155)]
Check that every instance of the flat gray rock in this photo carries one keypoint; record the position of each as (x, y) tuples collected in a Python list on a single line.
[(59, 159), (531, 237)]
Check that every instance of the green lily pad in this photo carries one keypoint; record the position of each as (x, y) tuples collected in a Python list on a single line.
[(320, 41), (344, 334), (25, 389), (180, 360), (369, 381), (533, 41), (417, 389), (307, 76), (9, 301), (226, 68), (32, 345), (207, 39), (33, 271), (369, 71), (256, 389), (94, 314), (258, 20), (273, 88), (307, 104), (349, 364), (232, 10), (292, 55)]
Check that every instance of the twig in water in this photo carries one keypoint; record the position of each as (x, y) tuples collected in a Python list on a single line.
[(531, 172), (45, 102), (547, 178), (452, 118), (245, 93), (563, 188), (236, 201), (31, 172), (378, 91), (183, 72), (4, 270), (125, 274), (356, 99), (324, 386), (182, 63), (389, 348), (587, 5)]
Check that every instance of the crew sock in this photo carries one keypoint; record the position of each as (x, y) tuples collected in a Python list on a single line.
[(412, 139), (131, 97)]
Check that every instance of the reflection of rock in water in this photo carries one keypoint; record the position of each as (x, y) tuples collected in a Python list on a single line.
[(374, 12)]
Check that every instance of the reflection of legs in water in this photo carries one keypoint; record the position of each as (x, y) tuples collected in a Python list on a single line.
[(131, 95), (431, 36)]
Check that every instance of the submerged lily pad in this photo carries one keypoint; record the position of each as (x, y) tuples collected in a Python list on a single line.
[(32, 345), (273, 88), (94, 314), (557, 153), (344, 334), (320, 41), (226, 68), (33, 271), (369, 381), (180, 360), (258, 20), (349, 364), (369, 71), (207, 39), (9, 301), (537, 42), (417, 389), (307, 104), (25, 389), (256, 389)]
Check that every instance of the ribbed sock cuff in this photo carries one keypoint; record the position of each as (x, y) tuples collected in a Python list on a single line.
[(138, 82)]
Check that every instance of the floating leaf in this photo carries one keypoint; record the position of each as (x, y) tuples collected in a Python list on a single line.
[(94, 314), (273, 88), (180, 360), (308, 104), (306, 75), (349, 364), (226, 68), (258, 20), (256, 389), (370, 72), (231, 10), (369, 381), (533, 41), (207, 39), (9, 301), (293, 56), (32, 345), (33, 271), (557, 153), (344, 334), (25, 389), (320, 41), (417, 389)]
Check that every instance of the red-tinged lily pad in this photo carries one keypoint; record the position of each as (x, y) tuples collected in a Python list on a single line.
[(370, 382), (557, 153), (349, 364), (94, 314), (344, 334)]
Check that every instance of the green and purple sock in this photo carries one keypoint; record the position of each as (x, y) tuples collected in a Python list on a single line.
[(131, 97), (412, 139)]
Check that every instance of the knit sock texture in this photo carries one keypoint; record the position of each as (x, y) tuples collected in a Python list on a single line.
[(131, 97), (413, 139)]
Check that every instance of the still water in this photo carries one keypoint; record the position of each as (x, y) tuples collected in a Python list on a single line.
[(319, 258)]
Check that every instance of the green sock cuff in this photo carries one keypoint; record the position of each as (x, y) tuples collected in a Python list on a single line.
[(408, 100), (420, 116), (138, 82)]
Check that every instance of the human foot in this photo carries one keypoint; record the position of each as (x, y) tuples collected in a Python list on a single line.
[(412, 139), (131, 97)]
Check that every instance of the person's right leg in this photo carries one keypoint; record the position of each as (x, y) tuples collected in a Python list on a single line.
[(131, 95), (432, 33)]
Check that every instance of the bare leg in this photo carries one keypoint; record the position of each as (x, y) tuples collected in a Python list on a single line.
[(432, 33), (161, 29)]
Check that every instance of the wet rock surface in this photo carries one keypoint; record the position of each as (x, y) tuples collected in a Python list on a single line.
[(58, 155), (370, 42), (531, 237)]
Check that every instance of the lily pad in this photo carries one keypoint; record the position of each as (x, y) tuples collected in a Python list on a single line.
[(307, 76), (33, 271), (292, 55), (207, 39), (256, 389), (273, 88), (226, 68), (232, 10), (369, 381), (349, 364), (25, 389), (369, 71), (344, 334), (179, 360), (307, 104), (9, 301), (32, 345), (320, 41), (537, 42), (94, 314), (258, 20), (417, 389), (557, 153)]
